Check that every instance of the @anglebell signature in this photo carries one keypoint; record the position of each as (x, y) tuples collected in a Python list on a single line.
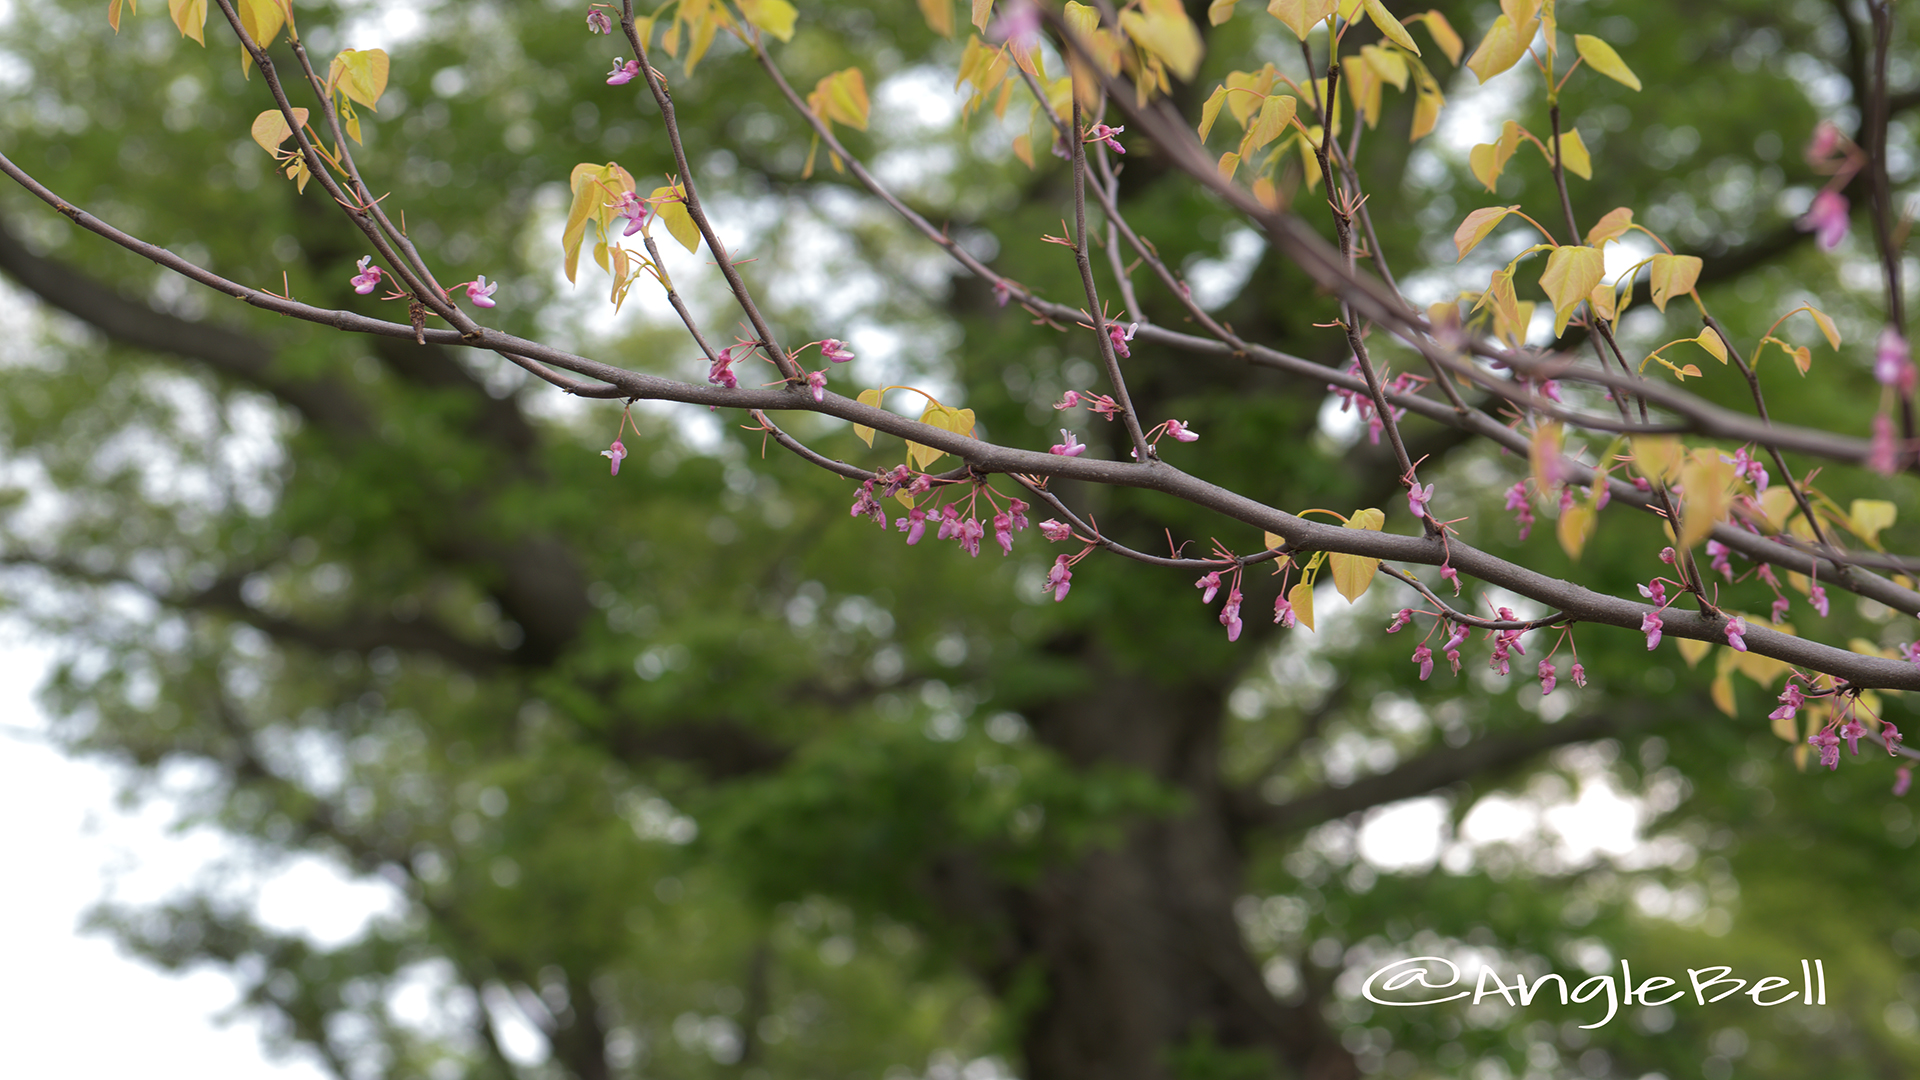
[(1410, 977)]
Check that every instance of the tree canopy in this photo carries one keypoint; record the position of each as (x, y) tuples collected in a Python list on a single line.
[(705, 776)]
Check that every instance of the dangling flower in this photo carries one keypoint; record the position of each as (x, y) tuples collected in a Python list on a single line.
[(1448, 573), (1817, 596), (1892, 362), (1120, 336), (623, 74), (949, 523), (1579, 674), (1736, 628), (1230, 615), (1852, 731), (1892, 736), (598, 22), (1547, 679), (615, 452), (1003, 533), (865, 505), (1650, 625), (1283, 613), (1060, 579), (1017, 510), (1791, 699), (1883, 456), (1902, 780), (1055, 531), (1719, 552), (1829, 746), (1521, 506), (1780, 608), (1827, 219), (1068, 400), (368, 279), (970, 533), (1181, 432), (721, 372), (1424, 657), (480, 293), (1400, 619), (1210, 584), (914, 525), (836, 350)]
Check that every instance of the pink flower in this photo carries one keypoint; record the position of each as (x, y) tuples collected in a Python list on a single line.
[(1068, 400), (1120, 336), (1283, 612), (368, 279), (1736, 631), (1002, 292), (598, 22), (1018, 24), (1055, 531), (1826, 219), (1003, 533), (615, 452), (1072, 447), (970, 533), (1105, 134), (1883, 456), (1791, 699), (1018, 510), (914, 525), (1547, 679), (1650, 625), (1579, 674), (1417, 499), (721, 373), (1892, 362), (1181, 432), (1780, 608), (817, 384), (633, 208), (1400, 619), (1902, 780), (1817, 596), (1656, 591), (1826, 139), (1060, 579), (1522, 508), (1424, 657), (1447, 572), (1230, 615), (1892, 735), (1666, 555), (949, 523), (1211, 584), (1829, 746), (836, 350), (865, 505), (1719, 552), (480, 293), (1745, 464), (623, 74), (1852, 731)]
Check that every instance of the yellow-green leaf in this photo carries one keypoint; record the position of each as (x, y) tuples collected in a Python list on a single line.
[(847, 98), (1671, 276), (1353, 574), (1709, 491), (1869, 516), (1273, 540), (270, 128), (1211, 110), (1711, 342), (1693, 650), (1301, 16), (1274, 117), (1831, 331), (1478, 226), (360, 74), (939, 16), (113, 13), (1389, 65), (191, 17), (1247, 91), (1443, 35), (262, 20), (1164, 30), (594, 187), (1502, 48), (1572, 272), (1575, 527), (1600, 57), (1721, 691), (1543, 455), (1426, 112), (670, 204), (1611, 226), (1573, 155), (861, 431), (1229, 164), (1301, 597), (1217, 12), (1658, 457), (776, 16), (1803, 358), (1390, 27)]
